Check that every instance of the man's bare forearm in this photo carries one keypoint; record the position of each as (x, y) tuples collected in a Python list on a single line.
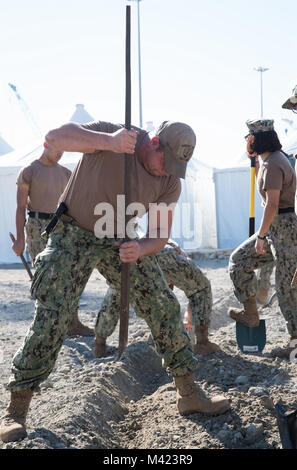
[(151, 246), (72, 137), (20, 222), (269, 213)]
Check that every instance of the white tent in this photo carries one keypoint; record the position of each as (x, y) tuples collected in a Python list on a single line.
[(80, 115), (10, 165), (194, 224), (232, 195), (4, 147), (197, 211), (17, 122), (290, 143)]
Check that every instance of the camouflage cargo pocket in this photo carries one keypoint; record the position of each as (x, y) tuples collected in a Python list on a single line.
[(47, 279)]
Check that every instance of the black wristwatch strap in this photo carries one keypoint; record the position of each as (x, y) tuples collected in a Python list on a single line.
[(261, 238)]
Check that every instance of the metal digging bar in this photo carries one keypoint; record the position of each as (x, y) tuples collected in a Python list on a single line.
[(22, 258), (125, 268)]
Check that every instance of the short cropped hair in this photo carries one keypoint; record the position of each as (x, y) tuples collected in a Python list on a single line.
[(267, 141)]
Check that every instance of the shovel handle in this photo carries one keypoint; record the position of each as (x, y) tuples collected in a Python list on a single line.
[(22, 258), (252, 197)]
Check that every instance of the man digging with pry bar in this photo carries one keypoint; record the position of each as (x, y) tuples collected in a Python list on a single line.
[(73, 251)]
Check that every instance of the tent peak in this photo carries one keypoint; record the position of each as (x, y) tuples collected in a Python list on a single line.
[(80, 115)]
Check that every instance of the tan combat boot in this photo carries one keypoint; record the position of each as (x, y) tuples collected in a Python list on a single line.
[(249, 315), (262, 295), (191, 399), (99, 349), (12, 427), (284, 353), (203, 345), (76, 328)]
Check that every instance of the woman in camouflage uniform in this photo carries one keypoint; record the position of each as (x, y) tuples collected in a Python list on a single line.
[(276, 238)]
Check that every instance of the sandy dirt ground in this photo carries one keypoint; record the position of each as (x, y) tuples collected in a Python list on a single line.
[(130, 404)]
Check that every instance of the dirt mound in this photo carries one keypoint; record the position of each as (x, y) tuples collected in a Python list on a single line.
[(99, 403), (81, 409)]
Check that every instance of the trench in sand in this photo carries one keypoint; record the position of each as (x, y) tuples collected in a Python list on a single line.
[(98, 414)]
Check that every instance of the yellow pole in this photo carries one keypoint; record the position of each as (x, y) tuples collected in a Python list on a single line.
[(252, 197)]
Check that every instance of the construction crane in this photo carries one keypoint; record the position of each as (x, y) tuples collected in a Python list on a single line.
[(25, 109)]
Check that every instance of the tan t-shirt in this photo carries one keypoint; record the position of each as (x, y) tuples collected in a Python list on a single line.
[(276, 172), (98, 178), (46, 184)]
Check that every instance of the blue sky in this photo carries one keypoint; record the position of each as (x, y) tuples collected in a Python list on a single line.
[(197, 64)]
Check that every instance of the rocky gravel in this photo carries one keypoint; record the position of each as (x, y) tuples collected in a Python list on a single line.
[(89, 403)]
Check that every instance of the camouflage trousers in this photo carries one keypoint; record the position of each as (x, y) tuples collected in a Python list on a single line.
[(34, 243), (62, 272), (179, 271), (264, 276), (281, 247)]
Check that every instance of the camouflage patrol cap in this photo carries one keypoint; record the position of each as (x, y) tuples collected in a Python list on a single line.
[(292, 100), (260, 125), (178, 140)]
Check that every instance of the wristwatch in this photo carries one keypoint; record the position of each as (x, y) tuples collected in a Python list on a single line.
[(261, 238)]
